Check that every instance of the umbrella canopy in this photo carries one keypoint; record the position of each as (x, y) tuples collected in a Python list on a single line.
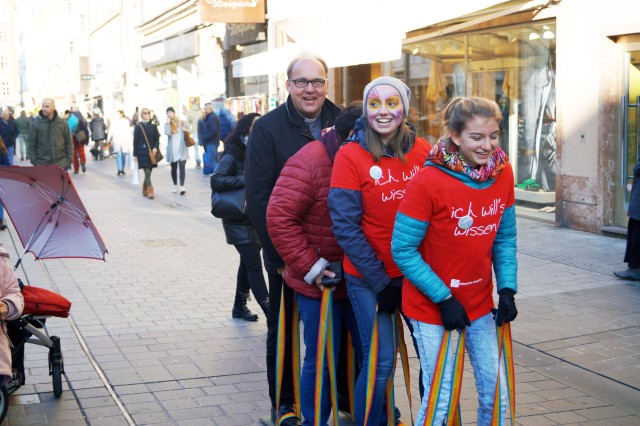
[(47, 213)]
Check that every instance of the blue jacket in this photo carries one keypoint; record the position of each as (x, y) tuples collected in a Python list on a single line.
[(408, 234), (209, 132), (227, 123), (8, 132)]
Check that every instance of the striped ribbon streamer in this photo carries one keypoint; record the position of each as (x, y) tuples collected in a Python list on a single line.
[(436, 383), (404, 357), (280, 353), (295, 355), (371, 370), (325, 347), (398, 339), (351, 374), (505, 344)]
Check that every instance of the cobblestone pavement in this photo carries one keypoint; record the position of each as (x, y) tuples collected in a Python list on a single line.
[(150, 339)]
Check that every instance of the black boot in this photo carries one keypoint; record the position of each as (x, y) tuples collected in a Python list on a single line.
[(265, 306), (240, 309)]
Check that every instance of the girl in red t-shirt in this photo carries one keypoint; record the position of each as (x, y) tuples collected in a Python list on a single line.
[(369, 177), (456, 222)]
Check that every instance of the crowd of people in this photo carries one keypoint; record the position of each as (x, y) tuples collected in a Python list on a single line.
[(350, 205)]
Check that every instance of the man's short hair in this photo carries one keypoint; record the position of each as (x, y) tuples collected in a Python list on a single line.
[(297, 59)]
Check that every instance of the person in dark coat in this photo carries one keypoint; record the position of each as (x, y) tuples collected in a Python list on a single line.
[(632, 252), (300, 227), (276, 137), (209, 133), (9, 132), (228, 175), (146, 137), (98, 135), (50, 138)]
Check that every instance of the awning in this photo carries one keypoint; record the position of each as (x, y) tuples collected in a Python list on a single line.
[(336, 50), (359, 34)]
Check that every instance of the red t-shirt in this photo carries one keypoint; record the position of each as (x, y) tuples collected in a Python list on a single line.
[(463, 222), (382, 185)]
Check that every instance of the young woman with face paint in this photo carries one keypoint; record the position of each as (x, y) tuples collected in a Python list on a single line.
[(368, 181), (457, 222)]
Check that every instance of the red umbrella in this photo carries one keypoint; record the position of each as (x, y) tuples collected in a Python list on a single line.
[(47, 213)]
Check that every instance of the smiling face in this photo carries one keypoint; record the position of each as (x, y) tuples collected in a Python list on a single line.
[(308, 100), (478, 140), (384, 110)]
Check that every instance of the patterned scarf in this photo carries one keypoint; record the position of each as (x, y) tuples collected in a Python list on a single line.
[(445, 153)]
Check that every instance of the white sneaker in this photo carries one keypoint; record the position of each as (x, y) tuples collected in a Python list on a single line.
[(182, 190), (175, 189)]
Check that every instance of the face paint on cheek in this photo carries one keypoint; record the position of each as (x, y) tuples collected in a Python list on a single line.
[(397, 116)]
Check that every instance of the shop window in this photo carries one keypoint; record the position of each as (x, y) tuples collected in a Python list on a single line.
[(514, 66)]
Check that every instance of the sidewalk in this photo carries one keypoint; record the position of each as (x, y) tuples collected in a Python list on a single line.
[(150, 339)]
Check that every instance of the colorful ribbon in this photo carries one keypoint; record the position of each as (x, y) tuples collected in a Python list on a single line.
[(400, 346), (438, 376), (505, 344), (295, 356), (325, 346)]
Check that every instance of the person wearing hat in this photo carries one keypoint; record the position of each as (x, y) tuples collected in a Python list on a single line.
[(177, 151), (455, 226), (370, 174)]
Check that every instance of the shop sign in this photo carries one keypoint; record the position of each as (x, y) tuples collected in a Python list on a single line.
[(243, 34), (232, 11)]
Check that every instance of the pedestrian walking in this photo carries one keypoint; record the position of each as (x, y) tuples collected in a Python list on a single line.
[(226, 117), (209, 132), (4, 162), (369, 177), (177, 151), (632, 251), (299, 225), (457, 222), (121, 139), (146, 139), (79, 139), (193, 117), (9, 132), (229, 175), (274, 139), (23, 124), (98, 135), (50, 138)]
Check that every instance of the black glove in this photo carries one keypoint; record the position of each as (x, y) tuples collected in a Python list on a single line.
[(453, 314), (387, 299), (506, 311)]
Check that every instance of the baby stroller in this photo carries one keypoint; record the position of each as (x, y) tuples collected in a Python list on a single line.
[(39, 304)]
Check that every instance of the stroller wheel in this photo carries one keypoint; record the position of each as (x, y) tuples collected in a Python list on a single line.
[(56, 378), (4, 403)]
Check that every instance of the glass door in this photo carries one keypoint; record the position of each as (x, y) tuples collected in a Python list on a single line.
[(630, 107)]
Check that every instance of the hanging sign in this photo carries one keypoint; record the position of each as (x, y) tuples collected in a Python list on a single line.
[(232, 11)]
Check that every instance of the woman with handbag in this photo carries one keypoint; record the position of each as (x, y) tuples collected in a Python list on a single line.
[(229, 175), (177, 151), (146, 146)]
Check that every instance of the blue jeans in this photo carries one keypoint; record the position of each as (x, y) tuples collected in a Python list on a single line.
[(11, 150), (363, 300), (482, 346), (121, 159), (211, 158), (310, 315)]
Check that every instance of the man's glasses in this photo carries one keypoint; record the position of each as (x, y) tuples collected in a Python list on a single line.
[(145, 112), (303, 82)]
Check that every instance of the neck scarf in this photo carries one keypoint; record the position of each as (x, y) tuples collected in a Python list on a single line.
[(445, 153)]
